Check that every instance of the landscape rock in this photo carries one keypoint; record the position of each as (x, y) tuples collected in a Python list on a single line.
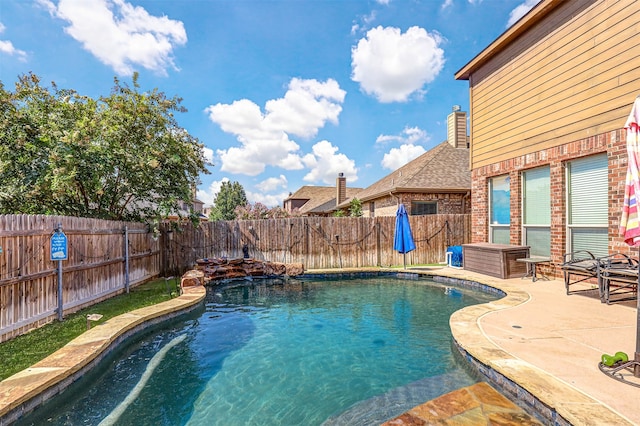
[(213, 269)]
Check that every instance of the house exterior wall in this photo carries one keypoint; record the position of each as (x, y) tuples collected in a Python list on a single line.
[(613, 143), (559, 91), (291, 205), (572, 75), (455, 203)]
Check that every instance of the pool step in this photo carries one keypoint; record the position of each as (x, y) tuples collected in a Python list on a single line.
[(475, 404), (376, 410)]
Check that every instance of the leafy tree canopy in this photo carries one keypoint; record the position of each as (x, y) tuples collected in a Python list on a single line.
[(260, 211), (230, 196), (355, 208), (120, 157)]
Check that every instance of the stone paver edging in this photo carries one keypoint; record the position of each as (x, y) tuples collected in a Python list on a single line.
[(28, 389)]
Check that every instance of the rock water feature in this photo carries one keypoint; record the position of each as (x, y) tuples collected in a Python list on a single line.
[(215, 269)]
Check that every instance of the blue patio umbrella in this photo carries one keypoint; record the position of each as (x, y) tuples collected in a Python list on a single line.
[(403, 238)]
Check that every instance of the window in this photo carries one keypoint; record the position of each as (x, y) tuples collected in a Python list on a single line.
[(421, 208), (587, 205), (372, 209), (536, 211), (499, 209)]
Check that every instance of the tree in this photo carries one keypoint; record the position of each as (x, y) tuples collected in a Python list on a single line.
[(252, 211), (121, 157), (260, 211), (278, 212), (355, 208), (230, 196)]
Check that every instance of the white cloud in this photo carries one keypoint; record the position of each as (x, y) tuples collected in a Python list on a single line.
[(305, 108), (446, 4), (269, 200), (121, 35), (264, 137), (393, 66), (208, 154), (272, 183), (8, 48), (410, 135), (325, 164), (398, 157), (520, 11), (208, 195), (365, 24)]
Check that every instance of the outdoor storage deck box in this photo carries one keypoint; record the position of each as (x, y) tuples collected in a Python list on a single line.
[(497, 260)]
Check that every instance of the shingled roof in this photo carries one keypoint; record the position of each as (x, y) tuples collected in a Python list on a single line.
[(441, 169), (321, 199)]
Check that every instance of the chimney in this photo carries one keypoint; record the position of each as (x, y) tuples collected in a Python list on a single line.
[(341, 188), (457, 128)]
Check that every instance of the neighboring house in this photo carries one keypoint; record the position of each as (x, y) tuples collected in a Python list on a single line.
[(319, 200), (437, 182), (548, 101), (185, 210)]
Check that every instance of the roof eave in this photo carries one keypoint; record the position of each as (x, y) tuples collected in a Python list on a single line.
[(397, 190), (535, 15), (434, 190)]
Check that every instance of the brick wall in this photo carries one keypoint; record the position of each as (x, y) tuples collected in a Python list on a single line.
[(447, 203), (613, 143)]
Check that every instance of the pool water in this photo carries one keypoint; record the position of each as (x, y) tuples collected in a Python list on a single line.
[(275, 352)]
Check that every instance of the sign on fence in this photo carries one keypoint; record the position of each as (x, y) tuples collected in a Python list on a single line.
[(59, 246)]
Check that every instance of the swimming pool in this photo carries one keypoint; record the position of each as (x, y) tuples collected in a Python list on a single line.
[(356, 351)]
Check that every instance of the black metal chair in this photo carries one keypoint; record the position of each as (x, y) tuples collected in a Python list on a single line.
[(618, 278), (580, 266)]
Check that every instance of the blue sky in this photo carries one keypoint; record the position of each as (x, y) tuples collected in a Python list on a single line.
[(282, 93)]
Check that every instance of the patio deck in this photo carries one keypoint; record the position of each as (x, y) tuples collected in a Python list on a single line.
[(550, 344)]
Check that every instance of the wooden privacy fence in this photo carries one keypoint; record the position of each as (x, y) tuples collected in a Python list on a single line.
[(316, 242), (103, 258)]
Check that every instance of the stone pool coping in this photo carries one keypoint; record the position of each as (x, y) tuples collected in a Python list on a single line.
[(553, 400), (29, 388)]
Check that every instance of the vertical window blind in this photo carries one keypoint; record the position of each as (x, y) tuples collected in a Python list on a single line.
[(588, 206), (499, 209), (537, 211)]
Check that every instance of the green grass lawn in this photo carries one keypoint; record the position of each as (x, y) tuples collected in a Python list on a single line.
[(24, 351)]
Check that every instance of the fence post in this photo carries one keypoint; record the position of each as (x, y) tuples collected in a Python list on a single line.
[(378, 254), (126, 259), (59, 252)]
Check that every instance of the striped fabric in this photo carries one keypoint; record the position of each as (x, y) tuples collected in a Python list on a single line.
[(629, 223)]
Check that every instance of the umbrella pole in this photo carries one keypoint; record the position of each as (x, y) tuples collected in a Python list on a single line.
[(636, 367), (404, 261)]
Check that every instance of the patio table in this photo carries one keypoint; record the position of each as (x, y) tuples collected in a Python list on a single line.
[(532, 262)]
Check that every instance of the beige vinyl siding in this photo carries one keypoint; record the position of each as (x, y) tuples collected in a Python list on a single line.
[(570, 84)]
